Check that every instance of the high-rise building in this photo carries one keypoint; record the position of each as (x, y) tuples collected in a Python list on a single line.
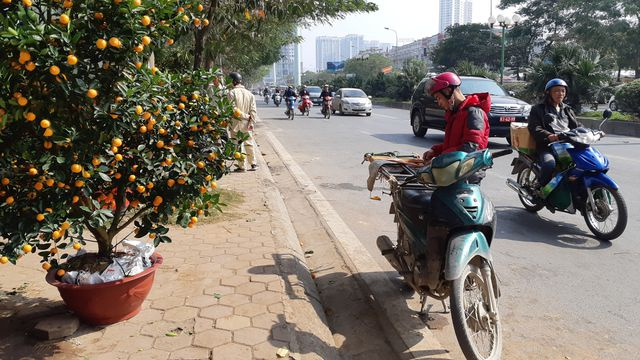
[(350, 46), (327, 49), (454, 12)]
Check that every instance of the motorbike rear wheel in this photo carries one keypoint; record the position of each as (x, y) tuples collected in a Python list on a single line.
[(526, 178), (608, 219), (478, 329)]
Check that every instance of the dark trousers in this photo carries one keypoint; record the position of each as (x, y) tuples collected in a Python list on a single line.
[(547, 165)]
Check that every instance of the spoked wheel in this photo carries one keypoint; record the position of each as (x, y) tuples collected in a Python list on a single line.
[(477, 326), (527, 180), (607, 217)]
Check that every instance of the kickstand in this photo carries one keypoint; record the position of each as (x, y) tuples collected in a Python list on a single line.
[(446, 308), (424, 314)]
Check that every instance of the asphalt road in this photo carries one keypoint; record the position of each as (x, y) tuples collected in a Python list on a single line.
[(565, 294)]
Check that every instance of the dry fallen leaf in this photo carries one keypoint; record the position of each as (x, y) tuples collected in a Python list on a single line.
[(282, 352), (376, 197)]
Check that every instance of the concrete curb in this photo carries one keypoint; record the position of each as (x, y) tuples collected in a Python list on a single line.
[(623, 128), (301, 299), (410, 336)]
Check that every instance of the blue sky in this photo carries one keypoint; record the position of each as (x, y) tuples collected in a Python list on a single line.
[(410, 18)]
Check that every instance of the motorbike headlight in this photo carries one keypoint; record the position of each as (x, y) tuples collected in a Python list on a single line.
[(447, 175), (526, 110), (466, 166)]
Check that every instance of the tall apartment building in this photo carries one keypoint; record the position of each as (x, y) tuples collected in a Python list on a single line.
[(283, 72), (327, 49), (350, 46), (454, 12)]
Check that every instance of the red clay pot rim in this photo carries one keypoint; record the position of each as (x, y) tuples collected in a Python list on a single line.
[(155, 258)]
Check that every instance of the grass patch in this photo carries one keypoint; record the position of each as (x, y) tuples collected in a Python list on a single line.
[(618, 116)]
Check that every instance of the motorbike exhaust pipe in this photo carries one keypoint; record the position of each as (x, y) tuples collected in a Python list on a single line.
[(512, 184), (387, 250)]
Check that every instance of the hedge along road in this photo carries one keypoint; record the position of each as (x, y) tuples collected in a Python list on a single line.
[(565, 294)]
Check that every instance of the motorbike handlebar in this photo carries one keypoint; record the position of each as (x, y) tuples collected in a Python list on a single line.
[(504, 152)]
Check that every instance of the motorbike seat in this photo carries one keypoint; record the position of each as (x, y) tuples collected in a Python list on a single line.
[(416, 201)]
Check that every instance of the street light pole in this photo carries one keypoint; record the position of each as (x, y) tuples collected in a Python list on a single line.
[(396, 50), (504, 23)]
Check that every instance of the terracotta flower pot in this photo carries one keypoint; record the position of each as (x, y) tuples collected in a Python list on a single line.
[(111, 302)]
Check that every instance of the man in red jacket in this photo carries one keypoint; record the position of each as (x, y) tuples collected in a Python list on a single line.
[(467, 124)]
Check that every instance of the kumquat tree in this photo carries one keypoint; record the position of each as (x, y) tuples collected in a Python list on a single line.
[(95, 139)]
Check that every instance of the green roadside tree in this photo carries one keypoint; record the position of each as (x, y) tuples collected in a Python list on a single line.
[(471, 42)]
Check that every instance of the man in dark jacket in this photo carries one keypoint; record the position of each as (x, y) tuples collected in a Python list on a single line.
[(467, 124), (548, 119)]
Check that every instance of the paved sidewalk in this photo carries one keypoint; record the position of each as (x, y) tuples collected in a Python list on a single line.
[(233, 289)]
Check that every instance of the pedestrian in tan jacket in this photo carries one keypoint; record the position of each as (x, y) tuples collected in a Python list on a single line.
[(245, 116)]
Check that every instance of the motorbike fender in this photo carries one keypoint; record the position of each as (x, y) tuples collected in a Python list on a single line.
[(519, 163), (462, 248), (600, 179)]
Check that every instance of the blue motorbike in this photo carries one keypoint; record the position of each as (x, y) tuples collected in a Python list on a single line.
[(445, 225), (580, 183), (291, 105)]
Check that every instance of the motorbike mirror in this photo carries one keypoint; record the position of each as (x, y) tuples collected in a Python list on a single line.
[(607, 113)]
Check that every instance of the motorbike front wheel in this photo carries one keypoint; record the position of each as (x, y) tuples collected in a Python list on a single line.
[(607, 219), (526, 179), (477, 326)]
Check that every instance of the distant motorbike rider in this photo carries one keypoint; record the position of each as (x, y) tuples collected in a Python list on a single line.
[(546, 120), (290, 92), (265, 92), (304, 91), (325, 92), (467, 124), (275, 92)]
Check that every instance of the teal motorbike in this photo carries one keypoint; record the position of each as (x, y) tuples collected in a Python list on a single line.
[(445, 226)]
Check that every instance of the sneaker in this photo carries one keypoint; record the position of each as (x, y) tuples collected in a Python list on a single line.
[(254, 167)]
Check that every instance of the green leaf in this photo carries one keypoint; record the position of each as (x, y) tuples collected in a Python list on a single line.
[(104, 176)]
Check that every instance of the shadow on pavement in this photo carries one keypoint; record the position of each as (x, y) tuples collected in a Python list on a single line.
[(18, 315), (529, 227)]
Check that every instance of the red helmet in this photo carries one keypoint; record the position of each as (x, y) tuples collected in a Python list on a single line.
[(442, 81)]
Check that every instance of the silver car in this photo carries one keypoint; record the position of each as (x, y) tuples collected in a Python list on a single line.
[(351, 101)]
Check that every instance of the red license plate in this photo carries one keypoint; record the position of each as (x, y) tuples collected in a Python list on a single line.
[(507, 118)]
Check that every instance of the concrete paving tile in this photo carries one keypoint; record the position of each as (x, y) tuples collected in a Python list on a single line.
[(146, 316), (111, 355), (201, 301), (275, 286), (232, 352), (121, 331), (216, 312), (172, 262), (220, 290), (248, 245), (158, 328), (190, 353), (266, 297), (265, 278), (209, 268), (194, 288), (233, 322), (202, 324), (248, 256), (250, 336), (223, 259), (250, 310), (87, 335), (237, 251), (250, 288), (202, 247), (168, 302), (180, 314), (277, 308), (269, 261), (135, 344), (262, 250), (237, 265), (267, 350), (213, 252), (211, 338), (173, 343), (197, 260), (151, 354), (159, 292), (265, 321), (234, 299), (234, 280)]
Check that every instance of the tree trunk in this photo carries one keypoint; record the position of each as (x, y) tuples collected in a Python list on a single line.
[(198, 49)]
